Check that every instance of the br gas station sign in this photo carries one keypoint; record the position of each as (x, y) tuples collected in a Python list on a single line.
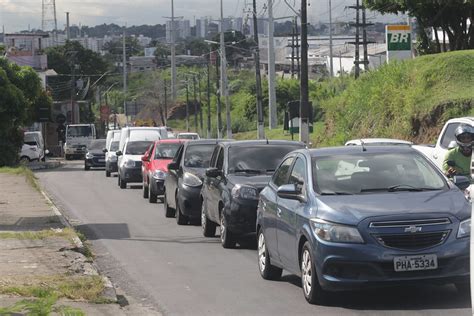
[(398, 39)]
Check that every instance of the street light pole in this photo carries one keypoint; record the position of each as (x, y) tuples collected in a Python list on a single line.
[(304, 97), (195, 105), (224, 87), (272, 113), (187, 105), (173, 56), (258, 76), (209, 95)]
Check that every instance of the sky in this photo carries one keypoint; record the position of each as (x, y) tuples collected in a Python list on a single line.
[(18, 15)]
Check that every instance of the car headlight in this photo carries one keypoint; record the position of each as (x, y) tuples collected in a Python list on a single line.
[(464, 229), (244, 192), (191, 180), (89, 156), (159, 175), (130, 164), (336, 233)]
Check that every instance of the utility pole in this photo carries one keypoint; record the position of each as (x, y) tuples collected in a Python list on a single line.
[(68, 32), (364, 40), (219, 104), (258, 76), (293, 35), (124, 77), (298, 68), (209, 95), (272, 113), (73, 88), (201, 123), (331, 64), (304, 93), (195, 105), (357, 61), (166, 103), (173, 55), (224, 88), (187, 105)]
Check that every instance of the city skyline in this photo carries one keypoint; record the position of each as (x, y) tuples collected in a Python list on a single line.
[(26, 14)]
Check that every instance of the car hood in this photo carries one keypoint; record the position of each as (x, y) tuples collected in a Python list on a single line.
[(161, 164), (256, 181), (98, 152), (351, 209)]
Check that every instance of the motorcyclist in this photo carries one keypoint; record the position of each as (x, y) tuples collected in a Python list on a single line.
[(458, 160)]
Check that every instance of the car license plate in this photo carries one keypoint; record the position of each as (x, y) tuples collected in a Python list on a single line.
[(101, 160), (415, 263)]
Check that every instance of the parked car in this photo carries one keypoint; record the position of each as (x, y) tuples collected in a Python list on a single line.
[(78, 137), (155, 167), (130, 161), (184, 181), (238, 172), (110, 154), (95, 156), (378, 142), (36, 139), (398, 221), (191, 136)]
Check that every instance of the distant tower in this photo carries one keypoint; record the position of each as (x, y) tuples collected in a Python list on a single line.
[(49, 21)]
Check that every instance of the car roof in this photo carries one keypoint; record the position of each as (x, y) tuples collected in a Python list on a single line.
[(350, 150), (381, 141), (243, 143), (188, 133), (170, 141)]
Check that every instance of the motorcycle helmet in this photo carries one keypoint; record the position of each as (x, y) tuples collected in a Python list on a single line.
[(464, 136)]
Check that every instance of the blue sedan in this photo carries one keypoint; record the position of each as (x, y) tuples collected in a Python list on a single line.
[(351, 217)]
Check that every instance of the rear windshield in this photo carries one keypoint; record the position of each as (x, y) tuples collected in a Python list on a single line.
[(198, 156), (145, 135), (137, 148), (166, 151), (257, 159)]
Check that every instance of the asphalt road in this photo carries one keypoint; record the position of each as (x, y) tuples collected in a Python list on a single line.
[(178, 272)]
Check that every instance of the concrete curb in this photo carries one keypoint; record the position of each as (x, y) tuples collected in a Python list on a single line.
[(44, 165), (109, 292)]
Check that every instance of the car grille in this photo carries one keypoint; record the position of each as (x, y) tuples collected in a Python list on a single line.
[(138, 164), (412, 241)]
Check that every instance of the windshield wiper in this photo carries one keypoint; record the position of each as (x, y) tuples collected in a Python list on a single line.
[(248, 171), (399, 187), (336, 193)]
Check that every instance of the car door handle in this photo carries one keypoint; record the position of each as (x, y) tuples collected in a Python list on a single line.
[(278, 212)]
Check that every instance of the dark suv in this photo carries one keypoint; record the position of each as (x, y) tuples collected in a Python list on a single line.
[(238, 172)]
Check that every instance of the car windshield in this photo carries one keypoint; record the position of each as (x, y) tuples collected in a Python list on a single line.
[(79, 131), (97, 145), (366, 173), (187, 136), (257, 159), (198, 156), (166, 151), (114, 146), (137, 148)]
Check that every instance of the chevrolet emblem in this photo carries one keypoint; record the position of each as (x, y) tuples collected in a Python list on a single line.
[(412, 229)]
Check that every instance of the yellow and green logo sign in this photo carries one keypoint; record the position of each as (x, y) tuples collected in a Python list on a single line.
[(398, 38)]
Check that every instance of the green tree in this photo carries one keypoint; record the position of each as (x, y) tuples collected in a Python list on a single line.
[(20, 94), (451, 16)]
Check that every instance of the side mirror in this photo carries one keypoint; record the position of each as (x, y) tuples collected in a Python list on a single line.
[(290, 192), (452, 144), (462, 182), (104, 150), (173, 166), (119, 153), (213, 172), (145, 159)]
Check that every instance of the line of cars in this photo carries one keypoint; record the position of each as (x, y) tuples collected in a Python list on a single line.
[(342, 218)]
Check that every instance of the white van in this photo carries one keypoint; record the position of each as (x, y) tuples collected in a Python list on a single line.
[(112, 145), (36, 139), (78, 137), (127, 131)]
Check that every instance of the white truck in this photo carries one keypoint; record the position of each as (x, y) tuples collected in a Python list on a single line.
[(446, 141), (78, 137)]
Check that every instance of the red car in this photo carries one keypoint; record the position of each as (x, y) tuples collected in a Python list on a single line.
[(155, 166)]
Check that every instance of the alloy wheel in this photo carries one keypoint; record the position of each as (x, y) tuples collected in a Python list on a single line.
[(262, 252), (223, 229), (306, 272)]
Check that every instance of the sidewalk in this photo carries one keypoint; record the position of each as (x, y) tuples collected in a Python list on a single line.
[(43, 260)]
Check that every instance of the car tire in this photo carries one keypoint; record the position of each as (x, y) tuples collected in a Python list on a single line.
[(151, 195), (107, 173), (463, 287), (181, 219), (267, 270), (208, 227), (313, 293), (24, 160), (169, 212), (86, 167), (145, 190), (227, 238), (122, 183)]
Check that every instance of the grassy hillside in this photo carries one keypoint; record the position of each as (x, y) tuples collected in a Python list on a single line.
[(408, 100)]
